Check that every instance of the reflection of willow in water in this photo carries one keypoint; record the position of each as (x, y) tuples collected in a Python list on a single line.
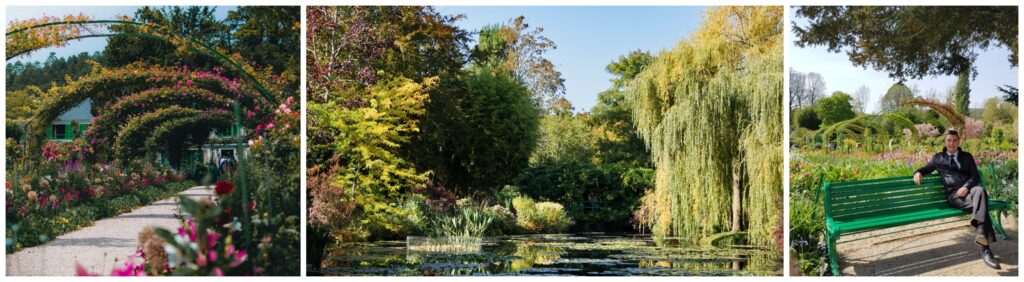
[(761, 263)]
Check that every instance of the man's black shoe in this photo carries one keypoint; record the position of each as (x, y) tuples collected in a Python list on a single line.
[(979, 236), (988, 258)]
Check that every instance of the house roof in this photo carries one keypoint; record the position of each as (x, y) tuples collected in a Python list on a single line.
[(79, 113)]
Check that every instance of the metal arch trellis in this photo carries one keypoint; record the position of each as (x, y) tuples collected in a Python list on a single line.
[(208, 50)]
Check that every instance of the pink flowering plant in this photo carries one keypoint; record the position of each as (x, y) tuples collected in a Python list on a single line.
[(66, 193)]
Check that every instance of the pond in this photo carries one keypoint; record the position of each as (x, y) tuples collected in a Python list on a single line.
[(553, 254)]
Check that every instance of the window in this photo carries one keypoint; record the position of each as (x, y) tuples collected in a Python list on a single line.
[(60, 131)]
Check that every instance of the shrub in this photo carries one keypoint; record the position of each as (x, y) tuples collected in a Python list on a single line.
[(504, 220), (543, 217)]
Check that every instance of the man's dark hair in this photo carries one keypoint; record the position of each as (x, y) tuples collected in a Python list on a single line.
[(953, 132)]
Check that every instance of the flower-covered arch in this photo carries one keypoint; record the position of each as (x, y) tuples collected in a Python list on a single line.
[(135, 90)]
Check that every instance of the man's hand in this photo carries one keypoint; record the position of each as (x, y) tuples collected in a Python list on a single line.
[(962, 192), (917, 178)]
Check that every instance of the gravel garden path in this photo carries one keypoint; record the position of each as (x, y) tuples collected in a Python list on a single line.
[(104, 245), (940, 250)]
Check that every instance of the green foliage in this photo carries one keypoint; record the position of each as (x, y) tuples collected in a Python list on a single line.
[(996, 111), (564, 138), (501, 129), (894, 38), (197, 22), (543, 217), (962, 94), (53, 71), (21, 104), (612, 118), (597, 197), (708, 107), (807, 118), (835, 108), (269, 35)]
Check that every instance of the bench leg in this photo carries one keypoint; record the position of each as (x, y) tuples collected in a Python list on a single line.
[(997, 222), (833, 259)]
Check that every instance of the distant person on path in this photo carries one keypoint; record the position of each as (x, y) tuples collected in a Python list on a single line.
[(960, 174)]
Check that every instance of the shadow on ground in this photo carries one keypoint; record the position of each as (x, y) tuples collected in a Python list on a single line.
[(934, 248)]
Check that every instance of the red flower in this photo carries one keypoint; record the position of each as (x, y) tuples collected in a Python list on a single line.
[(223, 187)]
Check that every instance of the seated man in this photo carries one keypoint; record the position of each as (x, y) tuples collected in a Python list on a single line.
[(961, 178)]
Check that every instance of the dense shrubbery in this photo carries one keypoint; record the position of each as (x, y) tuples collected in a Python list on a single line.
[(598, 197), (543, 217)]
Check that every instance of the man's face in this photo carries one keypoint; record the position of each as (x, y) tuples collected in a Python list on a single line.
[(952, 142)]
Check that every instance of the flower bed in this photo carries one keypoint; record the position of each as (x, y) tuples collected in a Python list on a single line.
[(64, 193)]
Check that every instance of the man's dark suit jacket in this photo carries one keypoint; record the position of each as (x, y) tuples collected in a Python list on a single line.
[(954, 178)]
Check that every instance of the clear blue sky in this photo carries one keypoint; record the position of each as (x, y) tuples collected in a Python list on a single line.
[(841, 75), (589, 38), (85, 45)]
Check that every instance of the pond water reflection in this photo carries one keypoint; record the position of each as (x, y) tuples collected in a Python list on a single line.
[(556, 254)]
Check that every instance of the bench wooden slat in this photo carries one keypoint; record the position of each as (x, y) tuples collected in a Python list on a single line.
[(885, 185), (881, 195), (887, 179), (877, 205), (921, 205), (882, 222)]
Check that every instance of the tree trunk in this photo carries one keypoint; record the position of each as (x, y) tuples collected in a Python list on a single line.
[(737, 180)]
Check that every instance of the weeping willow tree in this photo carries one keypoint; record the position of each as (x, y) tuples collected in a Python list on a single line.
[(710, 112)]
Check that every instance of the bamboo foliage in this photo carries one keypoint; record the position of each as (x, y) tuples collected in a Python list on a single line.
[(714, 100)]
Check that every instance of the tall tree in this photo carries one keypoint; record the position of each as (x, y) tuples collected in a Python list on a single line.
[(962, 94), (501, 129), (710, 110), (617, 140), (815, 88), (860, 98), (516, 47), (195, 22), (797, 89), (910, 42), (1009, 93), (355, 46), (268, 35)]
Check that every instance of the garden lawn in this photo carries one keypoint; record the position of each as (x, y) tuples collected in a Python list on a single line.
[(105, 245)]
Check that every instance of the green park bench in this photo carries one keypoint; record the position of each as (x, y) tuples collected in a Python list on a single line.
[(867, 205)]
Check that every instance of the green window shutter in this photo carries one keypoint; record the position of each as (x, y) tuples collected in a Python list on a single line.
[(49, 132)]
